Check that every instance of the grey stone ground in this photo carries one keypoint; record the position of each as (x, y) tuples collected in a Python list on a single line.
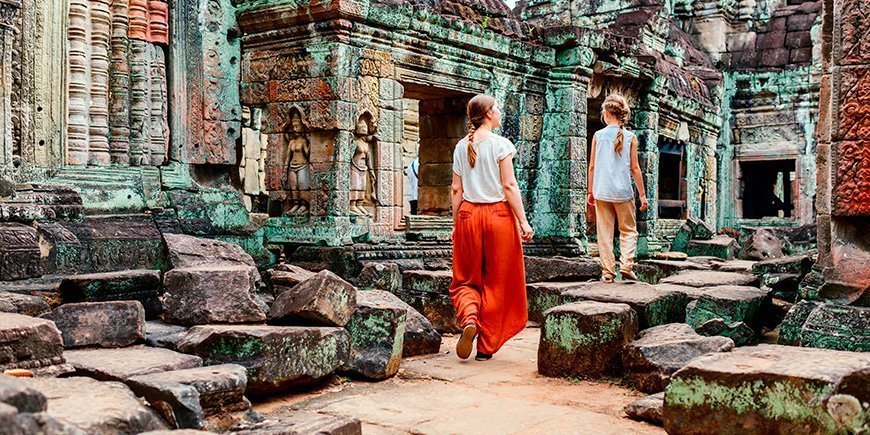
[(439, 394)]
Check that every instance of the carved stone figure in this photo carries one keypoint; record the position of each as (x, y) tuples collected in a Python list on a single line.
[(362, 173), (296, 162)]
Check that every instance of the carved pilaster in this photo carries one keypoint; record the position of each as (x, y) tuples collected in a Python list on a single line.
[(8, 10), (119, 85), (139, 101), (158, 24), (159, 124), (98, 137), (78, 74), (138, 20)]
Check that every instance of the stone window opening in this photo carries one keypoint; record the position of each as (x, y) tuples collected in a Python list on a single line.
[(766, 188), (673, 180)]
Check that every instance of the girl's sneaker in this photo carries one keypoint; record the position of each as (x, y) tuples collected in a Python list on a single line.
[(466, 341)]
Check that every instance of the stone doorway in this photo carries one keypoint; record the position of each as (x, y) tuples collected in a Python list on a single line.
[(673, 179), (436, 117), (766, 188)]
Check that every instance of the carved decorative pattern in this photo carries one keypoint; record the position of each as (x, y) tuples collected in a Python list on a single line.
[(851, 194), (119, 85), (158, 25), (98, 140), (139, 101), (138, 20), (79, 62), (854, 113), (854, 38), (159, 123)]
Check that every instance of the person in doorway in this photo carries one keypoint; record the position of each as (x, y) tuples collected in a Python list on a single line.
[(413, 173), (612, 164), (489, 278)]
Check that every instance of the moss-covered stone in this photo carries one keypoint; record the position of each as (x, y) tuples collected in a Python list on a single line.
[(585, 339), (723, 247), (377, 330), (653, 306), (790, 328), (769, 389), (839, 327), (542, 296), (141, 285), (276, 357), (731, 304)]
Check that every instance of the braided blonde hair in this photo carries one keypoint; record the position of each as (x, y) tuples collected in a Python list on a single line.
[(476, 111), (617, 106)]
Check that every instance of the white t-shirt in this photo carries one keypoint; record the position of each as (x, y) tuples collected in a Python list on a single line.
[(482, 183)]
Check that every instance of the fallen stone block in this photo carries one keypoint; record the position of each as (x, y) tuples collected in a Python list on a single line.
[(20, 256), (705, 278), (653, 271), (103, 324), (13, 422), (585, 339), (670, 255), (178, 432), (322, 300), (276, 357), (377, 330), (211, 294), (96, 407), (762, 244), (653, 307), (437, 308), (189, 251), (681, 239), (421, 337), (302, 423), (542, 296), (740, 333), (22, 304), (790, 328), (769, 389), (109, 243), (141, 285), (730, 304), (661, 350), (839, 327), (286, 275), (45, 288), (540, 269), (721, 246), (647, 409), (429, 281), (19, 394), (739, 266), (700, 230), (692, 293), (159, 334), (796, 264), (188, 398), (380, 276), (32, 344), (122, 364)]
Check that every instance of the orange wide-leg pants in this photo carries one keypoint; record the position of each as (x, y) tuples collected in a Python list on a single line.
[(489, 276)]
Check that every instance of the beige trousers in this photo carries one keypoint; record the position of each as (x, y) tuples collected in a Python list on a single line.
[(606, 213)]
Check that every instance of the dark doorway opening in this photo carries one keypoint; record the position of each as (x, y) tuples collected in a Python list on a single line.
[(672, 179), (766, 188)]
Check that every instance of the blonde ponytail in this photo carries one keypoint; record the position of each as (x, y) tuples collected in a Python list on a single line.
[(617, 144)]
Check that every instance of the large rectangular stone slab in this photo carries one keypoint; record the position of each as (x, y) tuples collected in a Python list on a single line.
[(377, 330), (705, 278), (653, 306), (196, 394), (276, 357), (769, 389), (724, 247), (585, 339), (96, 407), (30, 343), (302, 423), (143, 285), (111, 243), (23, 304), (540, 269), (211, 294), (122, 364), (103, 324), (545, 295)]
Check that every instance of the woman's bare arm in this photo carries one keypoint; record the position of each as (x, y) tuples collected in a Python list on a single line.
[(590, 174), (638, 175), (512, 195), (456, 194)]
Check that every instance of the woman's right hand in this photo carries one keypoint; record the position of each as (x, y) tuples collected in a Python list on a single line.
[(526, 231), (590, 200)]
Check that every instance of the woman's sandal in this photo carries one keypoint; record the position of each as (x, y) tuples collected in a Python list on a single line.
[(466, 341), (482, 356)]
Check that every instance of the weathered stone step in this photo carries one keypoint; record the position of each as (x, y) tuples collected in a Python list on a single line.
[(705, 278), (653, 306), (769, 389), (194, 395), (585, 339), (32, 344), (661, 350), (539, 269), (276, 357), (797, 264), (653, 271), (102, 324), (122, 364), (96, 407), (141, 285)]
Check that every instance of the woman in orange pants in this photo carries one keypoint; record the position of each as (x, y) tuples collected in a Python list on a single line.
[(489, 278)]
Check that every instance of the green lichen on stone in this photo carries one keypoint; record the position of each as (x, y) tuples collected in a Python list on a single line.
[(239, 347), (800, 402), (562, 330)]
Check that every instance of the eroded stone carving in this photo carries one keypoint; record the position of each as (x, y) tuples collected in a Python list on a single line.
[(297, 160), (363, 182)]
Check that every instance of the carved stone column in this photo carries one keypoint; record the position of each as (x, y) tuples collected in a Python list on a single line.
[(8, 10)]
